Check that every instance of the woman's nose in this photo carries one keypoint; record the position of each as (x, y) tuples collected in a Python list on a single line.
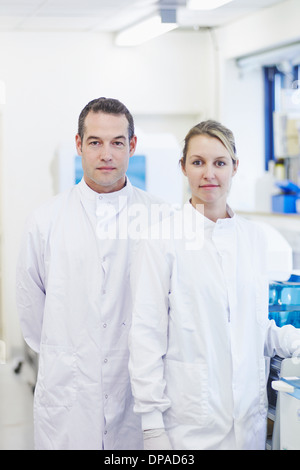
[(209, 172)]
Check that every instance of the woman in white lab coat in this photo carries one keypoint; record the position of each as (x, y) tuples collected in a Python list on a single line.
[(200, 329)]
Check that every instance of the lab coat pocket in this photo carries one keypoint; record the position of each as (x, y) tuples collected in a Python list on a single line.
[(57, 376), (187, 388)]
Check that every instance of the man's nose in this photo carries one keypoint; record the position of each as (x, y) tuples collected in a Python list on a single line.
[(106, 152)]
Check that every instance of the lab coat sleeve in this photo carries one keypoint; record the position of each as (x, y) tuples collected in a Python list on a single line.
[(282, 341), (30, 294), (150, 279)]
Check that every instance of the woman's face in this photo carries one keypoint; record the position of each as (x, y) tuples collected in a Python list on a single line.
[(209, 169)]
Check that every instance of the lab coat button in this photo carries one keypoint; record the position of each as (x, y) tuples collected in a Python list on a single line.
[(104, 325), (105, 360)]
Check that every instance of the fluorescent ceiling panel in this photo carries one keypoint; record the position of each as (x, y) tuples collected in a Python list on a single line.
[(206, 4), (144, 31)]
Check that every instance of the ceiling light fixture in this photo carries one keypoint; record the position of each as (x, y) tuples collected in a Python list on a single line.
[(144, 31), (206, 4)]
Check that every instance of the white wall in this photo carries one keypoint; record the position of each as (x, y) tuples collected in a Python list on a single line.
[(271, 27), (243, 112), (49, 78), (241, 93)]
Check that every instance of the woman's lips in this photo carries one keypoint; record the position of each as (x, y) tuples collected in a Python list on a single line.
[(209, 186)]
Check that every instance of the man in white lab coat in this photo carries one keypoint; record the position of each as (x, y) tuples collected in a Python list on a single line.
[(73, 293)]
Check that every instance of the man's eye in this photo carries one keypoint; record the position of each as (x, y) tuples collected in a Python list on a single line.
[(119, 144)]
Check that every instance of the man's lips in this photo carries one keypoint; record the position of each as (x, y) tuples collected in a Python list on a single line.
[(106, 168)]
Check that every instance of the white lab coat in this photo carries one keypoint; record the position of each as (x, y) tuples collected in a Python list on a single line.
[(200, 334), (74, 302)]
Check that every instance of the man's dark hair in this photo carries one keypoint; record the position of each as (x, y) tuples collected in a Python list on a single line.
[(105, 105)]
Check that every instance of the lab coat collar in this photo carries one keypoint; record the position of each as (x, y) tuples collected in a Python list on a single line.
[(224, 223), (230, 221), (91, 199)]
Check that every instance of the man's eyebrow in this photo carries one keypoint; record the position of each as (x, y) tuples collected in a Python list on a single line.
[(92, 137)]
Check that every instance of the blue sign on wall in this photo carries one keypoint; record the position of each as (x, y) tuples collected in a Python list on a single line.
[(137, 171)]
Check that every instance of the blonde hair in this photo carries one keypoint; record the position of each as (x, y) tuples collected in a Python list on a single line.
[(212, 129)]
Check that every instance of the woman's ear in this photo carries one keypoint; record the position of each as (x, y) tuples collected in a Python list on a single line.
[(235, 167), (182, 164)]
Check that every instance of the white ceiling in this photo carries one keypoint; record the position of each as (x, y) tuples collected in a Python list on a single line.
[(111, 15)]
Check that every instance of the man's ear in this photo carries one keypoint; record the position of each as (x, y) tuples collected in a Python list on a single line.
[(78, 144), (132, 145)]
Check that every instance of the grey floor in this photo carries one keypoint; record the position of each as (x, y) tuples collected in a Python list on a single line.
[(16, 402)]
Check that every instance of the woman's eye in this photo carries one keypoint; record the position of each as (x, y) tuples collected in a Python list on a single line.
[(197, 163), (220, 163)]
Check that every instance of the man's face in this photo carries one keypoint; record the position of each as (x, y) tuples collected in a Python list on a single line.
[(105, 150)]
